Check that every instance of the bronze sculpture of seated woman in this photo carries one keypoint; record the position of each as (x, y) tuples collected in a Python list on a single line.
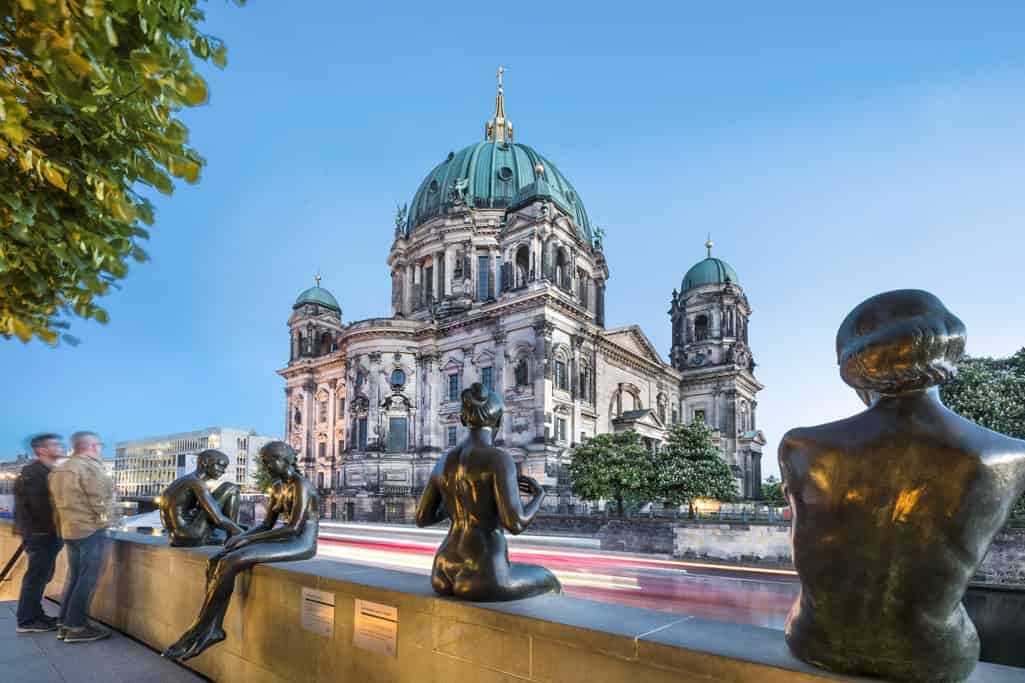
[(894, 508), (293, 500), (476, 486), (192, 514)]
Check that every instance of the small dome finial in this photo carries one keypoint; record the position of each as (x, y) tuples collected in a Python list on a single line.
[(709, 244), (317, 278)]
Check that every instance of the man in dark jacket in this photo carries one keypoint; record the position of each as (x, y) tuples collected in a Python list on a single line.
[(34, 521)]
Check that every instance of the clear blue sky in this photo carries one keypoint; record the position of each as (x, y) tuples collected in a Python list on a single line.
[(832, 153)]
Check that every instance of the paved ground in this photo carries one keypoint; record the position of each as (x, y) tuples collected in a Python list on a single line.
[(41, 658)]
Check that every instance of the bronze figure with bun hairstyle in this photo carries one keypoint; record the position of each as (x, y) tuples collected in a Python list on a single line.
[(476, 486), (895, 507), (294, 501)]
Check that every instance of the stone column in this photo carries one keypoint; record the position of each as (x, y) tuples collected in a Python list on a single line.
[(493, 273), (374, 430), (417, 286), (449, 269), (468, 375), (498, 373)]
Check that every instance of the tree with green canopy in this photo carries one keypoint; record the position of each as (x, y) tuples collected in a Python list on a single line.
[(991, 392), (611, 466), (88, 103), (262, 479), (690, 467)]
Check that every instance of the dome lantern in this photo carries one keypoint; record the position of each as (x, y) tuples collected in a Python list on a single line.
[(319, 296), (709, 271)]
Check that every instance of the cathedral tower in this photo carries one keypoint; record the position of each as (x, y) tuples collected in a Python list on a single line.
[(314, 422), (710, 347)]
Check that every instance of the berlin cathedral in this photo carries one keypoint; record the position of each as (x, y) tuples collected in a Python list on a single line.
[(498, 276)]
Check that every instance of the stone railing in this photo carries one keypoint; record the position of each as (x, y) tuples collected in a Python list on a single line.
[(152, 592)]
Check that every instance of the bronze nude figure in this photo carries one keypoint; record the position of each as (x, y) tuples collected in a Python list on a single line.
[(292, 499), (192, 514), (476, 486), (894, 508)]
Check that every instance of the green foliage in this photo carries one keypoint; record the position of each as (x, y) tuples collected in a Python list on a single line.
[(611, 466), (772, 491), (690, 467), (88, 99), (262, 479), (991, 392)]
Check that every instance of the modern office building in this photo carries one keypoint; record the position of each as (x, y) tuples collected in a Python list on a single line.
[(144, 467)]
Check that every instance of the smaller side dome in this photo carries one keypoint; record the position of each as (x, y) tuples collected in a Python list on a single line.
[(320, 296), (710, 271)]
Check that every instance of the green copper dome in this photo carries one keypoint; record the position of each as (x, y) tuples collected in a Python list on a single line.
[(495, 175), (711, 271), (320, 296)]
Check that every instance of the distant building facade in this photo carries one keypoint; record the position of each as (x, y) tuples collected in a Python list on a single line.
[(144, 467), (498, 276)]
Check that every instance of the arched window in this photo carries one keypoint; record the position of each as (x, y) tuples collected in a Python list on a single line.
[(522, 272), (701, 327), (398, 379)]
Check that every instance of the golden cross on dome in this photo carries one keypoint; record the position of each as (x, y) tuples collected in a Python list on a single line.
[(317, 278), (709, 244)]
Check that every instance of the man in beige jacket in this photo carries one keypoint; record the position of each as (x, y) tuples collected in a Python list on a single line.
[(82, 498)]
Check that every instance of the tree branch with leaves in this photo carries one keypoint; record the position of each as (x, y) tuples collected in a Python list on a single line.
[(89, 90)]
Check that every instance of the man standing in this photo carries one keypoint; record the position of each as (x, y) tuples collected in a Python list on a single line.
[(33, 520), (82, 495)]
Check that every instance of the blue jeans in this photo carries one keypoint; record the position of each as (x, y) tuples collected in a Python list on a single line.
[(41, 550), (85, 557)]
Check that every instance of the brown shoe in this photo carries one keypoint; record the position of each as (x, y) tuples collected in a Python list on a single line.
[(86, 634)]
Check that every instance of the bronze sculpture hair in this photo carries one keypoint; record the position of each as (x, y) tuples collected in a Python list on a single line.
[(481, 408), (209, 454), (899, 341)]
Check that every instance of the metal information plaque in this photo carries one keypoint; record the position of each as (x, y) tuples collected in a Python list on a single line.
[(318, 612), (376, 628)]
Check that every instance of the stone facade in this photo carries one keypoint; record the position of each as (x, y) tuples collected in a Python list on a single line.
[(498, 277)]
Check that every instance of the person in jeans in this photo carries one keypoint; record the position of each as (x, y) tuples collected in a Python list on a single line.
[(82, 495), (33, 521)]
